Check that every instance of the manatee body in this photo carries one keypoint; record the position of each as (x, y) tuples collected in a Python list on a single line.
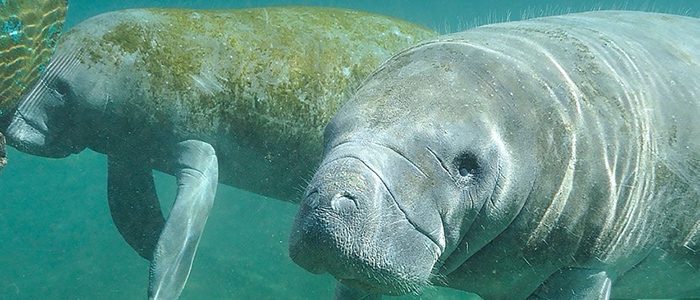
[(259, 85), (557, 157), (236, 96), (29, 32)]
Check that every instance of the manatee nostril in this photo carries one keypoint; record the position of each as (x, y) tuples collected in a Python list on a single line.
[(344, 202), (312, 199)]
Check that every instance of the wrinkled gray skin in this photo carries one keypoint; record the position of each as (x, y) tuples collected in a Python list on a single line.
[(556, 158)]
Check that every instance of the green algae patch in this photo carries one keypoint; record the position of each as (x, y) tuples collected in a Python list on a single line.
[(167, 55), (264, 80), (267, 75), (129, 38)]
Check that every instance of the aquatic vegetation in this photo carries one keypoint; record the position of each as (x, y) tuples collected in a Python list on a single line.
[(12, 27), (29, 31)]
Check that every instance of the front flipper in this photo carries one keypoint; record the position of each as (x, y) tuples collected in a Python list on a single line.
[(196, 169), (3, 156), (134, 204), (344, 292), (575, 283)]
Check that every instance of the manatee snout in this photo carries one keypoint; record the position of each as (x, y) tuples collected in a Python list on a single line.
[(333, 216), (45, 122), (24, 135), (349, 225), (32, 136)]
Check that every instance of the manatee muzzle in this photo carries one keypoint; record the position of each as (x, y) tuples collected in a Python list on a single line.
[(349, 225), (31, 135), (333, 215)]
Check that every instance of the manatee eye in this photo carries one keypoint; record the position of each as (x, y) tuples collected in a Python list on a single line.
[(61, 87), (467, 164)]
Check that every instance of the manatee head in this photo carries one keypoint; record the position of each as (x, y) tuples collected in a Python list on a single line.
[(63, 112), (414, 167), (29, 30), (45, 121)]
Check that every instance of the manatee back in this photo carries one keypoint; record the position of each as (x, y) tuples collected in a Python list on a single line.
[(657, 61), (258, 84), (654, 60), (625, 86)]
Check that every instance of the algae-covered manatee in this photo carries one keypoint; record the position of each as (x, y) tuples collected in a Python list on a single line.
[(28, 34), (233, 96)]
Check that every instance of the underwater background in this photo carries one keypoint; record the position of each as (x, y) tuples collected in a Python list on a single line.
[(57, 240)]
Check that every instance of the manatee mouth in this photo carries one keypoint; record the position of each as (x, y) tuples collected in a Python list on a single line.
[(32, 137), (385, 285), (403, 210), (25, 133), (374, 154), (351, 225)]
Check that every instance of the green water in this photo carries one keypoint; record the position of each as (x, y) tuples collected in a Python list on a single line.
[(58, 240)]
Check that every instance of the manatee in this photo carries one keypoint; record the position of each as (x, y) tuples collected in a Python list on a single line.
[(30, 30), (554, 158), (239, 97)]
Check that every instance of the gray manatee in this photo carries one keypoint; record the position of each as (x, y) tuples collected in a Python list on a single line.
[(553, 158), (233, 96)]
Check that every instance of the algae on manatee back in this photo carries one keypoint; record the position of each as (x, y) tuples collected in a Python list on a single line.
[(29, 30), (259, 85)]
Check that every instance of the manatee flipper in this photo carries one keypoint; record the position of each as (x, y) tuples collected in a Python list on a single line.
[(195, 167), (3, 156), (344, 292), (134, 204), (575, 283)]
